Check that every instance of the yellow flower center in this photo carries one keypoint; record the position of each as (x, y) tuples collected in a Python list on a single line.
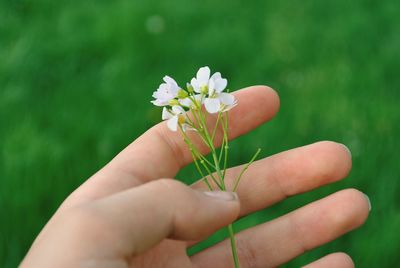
[(181, 119)]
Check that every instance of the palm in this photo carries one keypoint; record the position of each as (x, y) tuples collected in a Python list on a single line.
[(167, 254)]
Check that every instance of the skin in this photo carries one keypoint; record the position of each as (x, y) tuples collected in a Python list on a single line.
[(132, 214)]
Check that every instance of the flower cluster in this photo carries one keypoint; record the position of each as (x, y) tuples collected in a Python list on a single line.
[(204, 89), (188, 109)]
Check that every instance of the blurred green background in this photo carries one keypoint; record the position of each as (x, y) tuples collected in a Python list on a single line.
[(76, 79)]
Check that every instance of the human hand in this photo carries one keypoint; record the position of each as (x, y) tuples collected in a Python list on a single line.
[(130, 214)]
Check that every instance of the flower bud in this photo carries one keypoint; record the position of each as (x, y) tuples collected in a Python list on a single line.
[(189, 88), (173, 102), (182, 94)]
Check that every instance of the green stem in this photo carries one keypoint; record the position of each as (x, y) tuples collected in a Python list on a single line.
[(225, 127), (208, 139), (201, 157), (245, 168), (216, 126), (219, 184), (201, 173), (213, 151), (233, 246), (196, 154)]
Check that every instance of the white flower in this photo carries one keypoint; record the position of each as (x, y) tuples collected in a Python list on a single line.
[(188, 102), (166, 92), (220, 102), (200, 83), (175, 117), (212, 89), (217, 84)]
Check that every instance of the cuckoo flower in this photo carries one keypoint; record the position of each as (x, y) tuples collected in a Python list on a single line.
[(175, 117), (217, 100), (166, 92), (183, 111), (200, 82), (192, 102), (212, 89)]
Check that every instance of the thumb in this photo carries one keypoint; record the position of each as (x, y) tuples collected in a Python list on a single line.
[(166, 208)]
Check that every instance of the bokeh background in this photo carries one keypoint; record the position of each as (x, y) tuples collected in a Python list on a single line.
[(76, 79)]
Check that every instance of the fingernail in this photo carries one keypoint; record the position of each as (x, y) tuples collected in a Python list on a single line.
[(222, 195), (347, 149), (369, 202)]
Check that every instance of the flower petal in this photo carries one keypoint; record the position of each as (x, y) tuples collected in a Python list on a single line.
[(226, 98), (186, 102), (216, 76), (169, 80), (177, 110), (199, 98), (228, 107), (203, 75), (186, 127), (159, 102), (219, 82), (220, 85), (166, 114), (173, 123), (212, 105), (211, 87), (195, 84)]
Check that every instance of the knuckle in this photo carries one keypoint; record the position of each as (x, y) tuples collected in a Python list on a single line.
[(87, 221), (247, 253), (177, 151), (170, 185)]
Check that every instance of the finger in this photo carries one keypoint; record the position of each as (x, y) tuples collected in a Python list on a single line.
[(160, 153), (141, 217), (288, 173), (168, 151), (276, 242), (334, 260)]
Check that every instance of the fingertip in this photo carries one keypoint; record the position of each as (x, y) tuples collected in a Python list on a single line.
[(346, 259), (274, 98), (270, 99), (338, 161), (354, 209), (225, 203), (338, 259), (256, 105)]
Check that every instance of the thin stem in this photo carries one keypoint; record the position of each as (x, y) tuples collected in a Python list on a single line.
[(194, 149), (233, 245), (216, 126), (226, 145), (219, 184), (221, 152), (202, 127), (245, 168), (199, 121), (202, 157), (195, 153), (212, 147), (201, 173)]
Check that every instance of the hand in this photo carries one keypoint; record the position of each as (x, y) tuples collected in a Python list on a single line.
[(130, 214)]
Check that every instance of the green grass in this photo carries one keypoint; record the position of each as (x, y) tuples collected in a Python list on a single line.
[(76, 80)]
